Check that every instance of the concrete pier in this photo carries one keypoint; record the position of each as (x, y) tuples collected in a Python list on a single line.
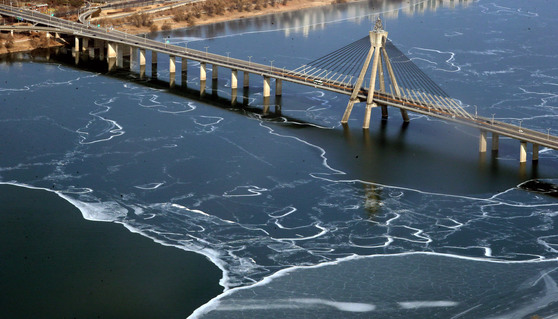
[(482, 142), (100, 45), (172, 64), (234, 79), (153, 64), (367, 113), (111, 53), (495, 142), (266, 86), (91, 52), (119, 55), (535, 152), (522, 152), (246, 79), (84, 44), (76, 44), (172, 71), (278, 87), (385, 114), (132, 57), (184, 75), (142, 57), (215, 72), (203, 71)]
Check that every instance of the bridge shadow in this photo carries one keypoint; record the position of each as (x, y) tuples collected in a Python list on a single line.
[(390, 154), (386, 153), (269, 110)]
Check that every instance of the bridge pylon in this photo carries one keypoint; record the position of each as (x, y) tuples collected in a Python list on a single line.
[(379, 57)]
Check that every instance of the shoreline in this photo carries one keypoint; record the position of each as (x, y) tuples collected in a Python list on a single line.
[(77, 268), (293, 5)]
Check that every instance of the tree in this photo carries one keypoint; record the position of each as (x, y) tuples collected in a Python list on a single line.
[(190, 19), (166, 26), (9, 43), (75, 3), (178, 15)]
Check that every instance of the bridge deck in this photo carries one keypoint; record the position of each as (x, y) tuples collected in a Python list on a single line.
[(418, 102)]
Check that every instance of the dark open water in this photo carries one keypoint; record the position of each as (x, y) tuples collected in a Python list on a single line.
[(268, 196)]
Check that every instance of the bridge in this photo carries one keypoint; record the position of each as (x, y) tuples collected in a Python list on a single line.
[(394, 79)]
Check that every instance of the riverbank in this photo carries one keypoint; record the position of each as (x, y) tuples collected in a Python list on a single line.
[(55, 264), (163, 21), (24, 42)]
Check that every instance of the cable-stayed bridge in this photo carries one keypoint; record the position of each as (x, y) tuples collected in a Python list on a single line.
[(370, 70)]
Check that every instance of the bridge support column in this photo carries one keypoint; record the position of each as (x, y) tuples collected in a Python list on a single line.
[(234, 79), (154, 64), (184, 79), (172, 70), (91, 52), (111, 50), (133, 58), (278, 87), (482, 142), (203, 71), (366, 124), (111, 55), (215, 73), (119, 55), (85, 44), (381, 76), (103, 51), (246, 79), (348, 110), (266, 87), (142, 57), (535, 152), (76, 44), (495, 139), (385, 114), (522, 152), (172, 64)]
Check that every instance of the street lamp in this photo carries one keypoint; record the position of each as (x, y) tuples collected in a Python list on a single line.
[(271, 68), (520, 126), (475, 111), (206, 51), (493, 119), (249, 60), (548, 134)]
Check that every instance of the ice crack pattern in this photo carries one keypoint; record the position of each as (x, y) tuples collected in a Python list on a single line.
[(259, 194)]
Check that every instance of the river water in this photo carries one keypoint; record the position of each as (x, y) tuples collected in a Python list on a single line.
[(398, 221)]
